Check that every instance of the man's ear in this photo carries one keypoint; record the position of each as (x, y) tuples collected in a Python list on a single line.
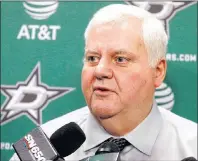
[(160, 72)]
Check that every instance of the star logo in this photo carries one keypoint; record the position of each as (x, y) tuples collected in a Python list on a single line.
[(29, 98), (164, 11)]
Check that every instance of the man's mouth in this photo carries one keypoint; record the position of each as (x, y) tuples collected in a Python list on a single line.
[(103, 91)]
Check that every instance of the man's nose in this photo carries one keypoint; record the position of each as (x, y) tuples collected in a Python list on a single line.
[(103, 70)]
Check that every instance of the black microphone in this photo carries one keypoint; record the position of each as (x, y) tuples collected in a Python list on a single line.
[(67, 139), (189, 159), (36, 146)]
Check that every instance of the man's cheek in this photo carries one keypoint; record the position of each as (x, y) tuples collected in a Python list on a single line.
[(135, 79), (87, 79), (86, 74), (135, 83)]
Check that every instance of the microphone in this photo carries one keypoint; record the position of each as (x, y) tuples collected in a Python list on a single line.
[(189, 159), (36, 146), (71, 135)]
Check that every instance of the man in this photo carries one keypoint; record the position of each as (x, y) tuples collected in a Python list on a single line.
[(124, 62)]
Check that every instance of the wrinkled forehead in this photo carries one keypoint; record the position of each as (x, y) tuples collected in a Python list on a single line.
[(123, 33)]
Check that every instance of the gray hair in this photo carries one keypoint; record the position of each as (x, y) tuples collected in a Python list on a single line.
[(153, 32)]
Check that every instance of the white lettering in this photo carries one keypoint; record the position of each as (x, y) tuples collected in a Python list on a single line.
[(174, 57), (24, 32), (33, 28), (39, 156), (193, 57), (2, 145), (40, 32), (44, 34), (181, 57), (187, 57), (28, 137), (54, 31), (31, 143), (6, 146), (168, 56), (35, 149)]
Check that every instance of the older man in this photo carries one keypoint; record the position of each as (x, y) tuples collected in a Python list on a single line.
[(124, 62)]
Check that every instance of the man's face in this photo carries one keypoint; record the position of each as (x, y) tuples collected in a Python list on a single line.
[(116, 75)]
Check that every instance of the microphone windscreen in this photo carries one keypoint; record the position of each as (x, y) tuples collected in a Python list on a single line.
[(67, 139), (189, 159)]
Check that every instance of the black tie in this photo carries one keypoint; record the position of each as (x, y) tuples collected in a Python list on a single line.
[(112, 145)]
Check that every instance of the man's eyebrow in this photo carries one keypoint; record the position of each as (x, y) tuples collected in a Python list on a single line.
[(116, 52), (121, 51), (88, 51)]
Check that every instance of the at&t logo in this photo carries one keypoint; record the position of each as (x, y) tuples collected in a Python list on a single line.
[(39, 10), (164, 96)]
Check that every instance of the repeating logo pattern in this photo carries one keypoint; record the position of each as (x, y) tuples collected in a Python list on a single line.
[(164, 96), (40, 10), (29, 98), (164, 11)]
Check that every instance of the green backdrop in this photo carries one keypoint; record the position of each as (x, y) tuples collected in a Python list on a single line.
[(41, 60)]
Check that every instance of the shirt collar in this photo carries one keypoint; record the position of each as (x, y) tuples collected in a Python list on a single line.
[(143, 137), (94, 132)]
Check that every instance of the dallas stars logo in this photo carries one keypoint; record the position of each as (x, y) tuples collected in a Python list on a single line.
[(164, 11), (29, 98)]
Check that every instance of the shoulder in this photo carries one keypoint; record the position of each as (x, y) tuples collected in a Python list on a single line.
[(180, 131), (177, 121), (78, 116), (184, 129)]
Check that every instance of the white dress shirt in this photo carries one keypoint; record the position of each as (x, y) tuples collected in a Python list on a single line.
[(162, 135)]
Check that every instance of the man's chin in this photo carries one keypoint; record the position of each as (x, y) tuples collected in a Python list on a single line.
[(105, 117), (103, 112)]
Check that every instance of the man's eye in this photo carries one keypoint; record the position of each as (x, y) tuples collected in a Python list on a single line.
[(92, 59), (121, 60)]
